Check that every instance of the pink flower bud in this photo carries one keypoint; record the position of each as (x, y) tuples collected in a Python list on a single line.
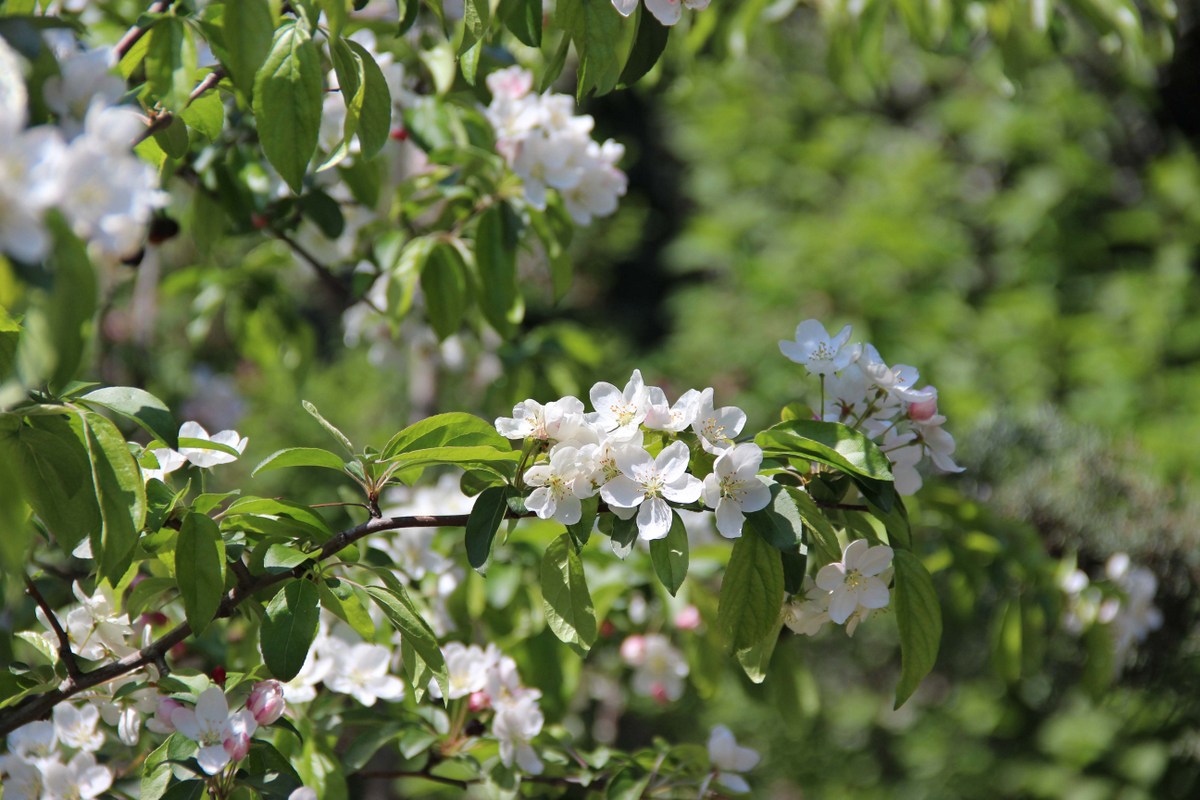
[(162, 715), (237, 745), (923, 410), (633, 649), (659, 692), (688, 618), (266, 702), (478, 701)]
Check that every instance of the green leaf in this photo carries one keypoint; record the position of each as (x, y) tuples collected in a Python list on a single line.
[(496, 241), (670, 555), (895, 520), (301, 457), (120, 493), (414, 631), (206, 114), (156, 774), (476, 17), (336, 15), (287, 102), (824, 538), (648, 46), (289, 628), (624, 535), (375, 119), (751, 592), (779, 522), (444, 282), (755, 659), (524, 19), (200, 569), (409, 11), (829, 443), (456, 428), (565, 597), (140, 406), (501, 462), (344, 604), (170, 62), (248, 29), (597, 31), (72, 302), (54, 471), (186, 790), (486, 516), (581, 531), (148, 594), (173, 139), (301, 518), (919, 619), (17, 536)]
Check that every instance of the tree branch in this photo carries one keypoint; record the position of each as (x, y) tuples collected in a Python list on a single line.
[(64, 642), (135, 33), (37, 707)]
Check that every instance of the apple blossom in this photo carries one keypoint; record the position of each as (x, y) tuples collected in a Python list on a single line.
[(854, 581), (728, 759), (361, 671), (559, 486), (81, 778), (205, 457), (266, 702), (659, 669), (717, 427), (668, 12), (621, 411), (35, 740), (515, 725), (221, 735), (817, 351), (21, 779), (647, 483), (734, 488)]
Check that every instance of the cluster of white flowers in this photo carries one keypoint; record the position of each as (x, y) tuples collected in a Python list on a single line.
[(1132, 615), (83, 166), (668, 12), (94, 628), (34, 768), (845, 592), (223, 736), (602, 452), (489, 680), (341, 661), (659, 668), (860, 390), (550, 147)]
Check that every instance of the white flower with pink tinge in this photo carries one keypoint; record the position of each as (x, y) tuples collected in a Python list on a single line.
[(817, 351), (733, 488), (223, 737), (728, 759), (668, 12), (854, 581), (659, 667)]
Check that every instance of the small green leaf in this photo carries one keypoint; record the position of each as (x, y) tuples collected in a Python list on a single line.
[(456, 428), (18, 535), (496, 241), (648, 46), (170, 62), (624, 535), (375, 118), (200, 569), (140, 406), (565, 597), (476, 17), (289, 628), (301, 457), (751, 592), (670, 555), (824, 538), (919, 619), (754, 659), (828, 443), (288, 100), (173, 139), (120, 493), (248, 27), (598, 32), (336, 15), (444, 282), (52, 467), (344, 604), (206, 115), (486, 516), (524, 19), (156, 773), (779, 522), (414, 632)]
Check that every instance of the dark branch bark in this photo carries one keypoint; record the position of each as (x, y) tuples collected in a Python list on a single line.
[(64, 642), (132, 36), (39, 706)]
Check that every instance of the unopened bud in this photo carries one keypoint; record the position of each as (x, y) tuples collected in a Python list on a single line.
[(688, 618), (237, 746), (923, 410), (478, 701), (266, 702), (633, 649)]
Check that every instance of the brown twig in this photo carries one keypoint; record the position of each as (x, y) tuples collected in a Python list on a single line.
[(163, 120), (842, 506), (323, 272), (64, 642), (135, 33), (39, 706)]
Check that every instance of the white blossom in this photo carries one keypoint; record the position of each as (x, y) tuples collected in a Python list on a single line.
[(647, 483), (854, 581), (817, 351), (734, 488), (559, 485), (212, 727), (659, 669), (204, 457), (81, 778), (717, 427), (514, 726), (728, 759), (361, 671)]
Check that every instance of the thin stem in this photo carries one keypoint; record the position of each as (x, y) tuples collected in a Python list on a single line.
[(64, 642), (135, 33), (38, 706), (163, 120), (323, 271)]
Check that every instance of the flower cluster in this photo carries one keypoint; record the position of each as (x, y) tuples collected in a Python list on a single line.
[(83, 166), (488, 679), (845, 592), (550, 147), (344, 664), (659, 668), (604, 452), (223, 736), (1131, 613), (860, 390), (34, 768)]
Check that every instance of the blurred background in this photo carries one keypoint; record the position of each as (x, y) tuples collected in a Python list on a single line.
[(1022, 226)]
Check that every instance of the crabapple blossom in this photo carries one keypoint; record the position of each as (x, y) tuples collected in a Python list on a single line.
[(204, 457), (560, 484), (621, 412), (647, 483), (266, 702), (21, 779), (81, 778), (361, 671), (168, 461), (221, 735), (728, 759), (854, 581), (717, 427), (733, 488), (35, 740), (668, 12), (466, 669), (515, 725), (661, 416), (659, 669), (809, 611), (817, 351), (556, 421)]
